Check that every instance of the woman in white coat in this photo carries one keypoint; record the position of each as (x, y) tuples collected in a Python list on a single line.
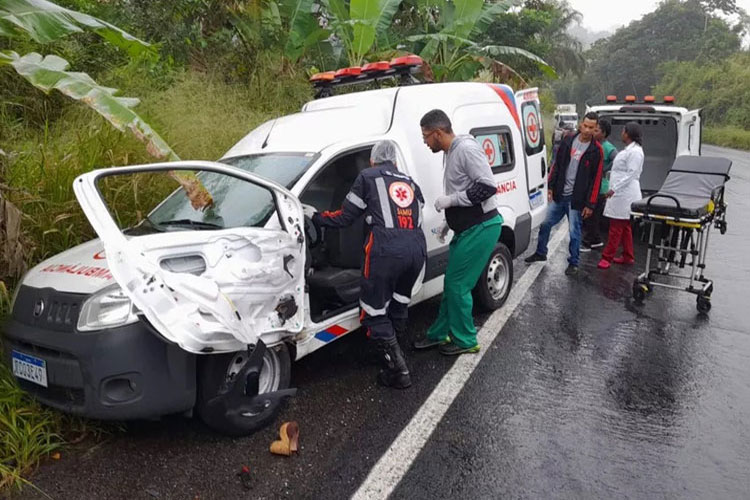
[(624, 189)]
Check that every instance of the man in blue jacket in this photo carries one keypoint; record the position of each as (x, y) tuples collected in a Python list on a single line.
[(573, 189)]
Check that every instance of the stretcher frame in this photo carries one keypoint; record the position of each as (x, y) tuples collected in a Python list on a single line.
[(674, 239)]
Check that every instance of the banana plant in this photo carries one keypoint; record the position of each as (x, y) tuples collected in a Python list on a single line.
[(46, 22), (358, 24), (450, 48)]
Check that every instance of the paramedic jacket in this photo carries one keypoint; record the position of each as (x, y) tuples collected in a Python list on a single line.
[(392, 203), (588, 178)]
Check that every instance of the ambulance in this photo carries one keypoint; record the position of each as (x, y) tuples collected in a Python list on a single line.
[(203, 310), (669, 131)]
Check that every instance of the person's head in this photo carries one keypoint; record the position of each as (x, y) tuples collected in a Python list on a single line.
[(632, 133), (603, 129), (383, 152), (437, 131), (588, 126)]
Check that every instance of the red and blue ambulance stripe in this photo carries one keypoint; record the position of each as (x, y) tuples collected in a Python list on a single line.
[(509, 98), (331, 333)]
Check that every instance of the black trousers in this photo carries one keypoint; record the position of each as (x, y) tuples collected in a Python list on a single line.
[(592, 226), (385, 293)]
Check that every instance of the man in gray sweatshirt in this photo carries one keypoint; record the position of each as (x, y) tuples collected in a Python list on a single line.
[(471, 212)]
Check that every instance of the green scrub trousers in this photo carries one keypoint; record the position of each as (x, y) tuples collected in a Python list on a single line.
[(469, 252)]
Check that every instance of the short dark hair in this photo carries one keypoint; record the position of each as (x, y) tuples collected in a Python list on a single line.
[(591, 115), (605, 127), (436, 119), (635, 132)]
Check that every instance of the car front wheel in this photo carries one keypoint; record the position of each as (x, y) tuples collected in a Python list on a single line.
[(215, 371)]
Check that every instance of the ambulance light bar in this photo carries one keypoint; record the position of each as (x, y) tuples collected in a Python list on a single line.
[(402, 68), (631, 99)]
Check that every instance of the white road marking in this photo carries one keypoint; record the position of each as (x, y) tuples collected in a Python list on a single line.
[(395, 462)]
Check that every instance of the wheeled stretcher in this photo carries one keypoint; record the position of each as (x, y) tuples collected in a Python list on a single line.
[(678, 220)]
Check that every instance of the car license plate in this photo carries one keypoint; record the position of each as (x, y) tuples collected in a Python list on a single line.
[(29, 368), (536, 200)]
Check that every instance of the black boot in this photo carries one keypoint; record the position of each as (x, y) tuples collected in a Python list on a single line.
[(396, 373)]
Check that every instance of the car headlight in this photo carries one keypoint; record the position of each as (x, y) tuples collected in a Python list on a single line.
[(107, 308), (15, 294)]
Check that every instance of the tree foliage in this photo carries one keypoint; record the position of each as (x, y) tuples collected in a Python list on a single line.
[(630, 61), (541, 27), (720, 88)]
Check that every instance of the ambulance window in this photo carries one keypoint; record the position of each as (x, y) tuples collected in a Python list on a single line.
[(329, 188), (497, 143)]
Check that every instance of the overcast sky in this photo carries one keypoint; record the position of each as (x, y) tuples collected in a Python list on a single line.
[(599, 15)]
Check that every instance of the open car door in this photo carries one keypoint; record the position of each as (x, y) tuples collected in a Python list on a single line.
[(529, 111), (209, 280)]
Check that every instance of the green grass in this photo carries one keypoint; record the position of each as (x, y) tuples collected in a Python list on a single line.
[(199, 115), (731, 137), (28, 433)]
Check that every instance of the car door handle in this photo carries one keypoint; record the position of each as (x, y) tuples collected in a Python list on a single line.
[(544, 168)]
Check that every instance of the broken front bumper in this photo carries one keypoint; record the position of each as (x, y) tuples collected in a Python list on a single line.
[(119, 373)]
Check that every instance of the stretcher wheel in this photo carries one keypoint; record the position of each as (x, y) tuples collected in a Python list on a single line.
[(639, 292), (703, 304), (722, 226)]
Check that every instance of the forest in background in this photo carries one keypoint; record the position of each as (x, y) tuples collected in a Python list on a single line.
[(691, 49)]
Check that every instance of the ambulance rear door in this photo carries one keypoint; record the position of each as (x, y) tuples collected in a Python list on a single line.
[(691, 133), (529, 111)]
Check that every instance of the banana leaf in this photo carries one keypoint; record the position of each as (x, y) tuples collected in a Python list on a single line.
[(46, 22), (374, 18), (365, 12), (504, 50), (50, 73), (465, 17), (304, 30)]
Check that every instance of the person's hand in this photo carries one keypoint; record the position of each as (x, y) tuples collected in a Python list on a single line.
[(442, 203), (549, 196), (308, 210), (610, 194), (441, 231), (587, 212)]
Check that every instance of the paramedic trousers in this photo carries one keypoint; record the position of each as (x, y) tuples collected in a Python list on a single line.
[(385, 292), (620, 233), (469, 252)]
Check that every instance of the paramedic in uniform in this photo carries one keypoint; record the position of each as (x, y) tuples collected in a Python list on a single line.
[(395, 252), (471, 212)]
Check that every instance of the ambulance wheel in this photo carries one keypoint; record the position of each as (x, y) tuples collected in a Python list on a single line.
[(215, 369), (496, 280), (703, 304)]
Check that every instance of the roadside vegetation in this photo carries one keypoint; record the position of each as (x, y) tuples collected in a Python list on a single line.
[(198, 76), (691, 49)]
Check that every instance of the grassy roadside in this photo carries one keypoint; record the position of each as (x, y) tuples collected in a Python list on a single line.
[(730, 137), (199, 115)]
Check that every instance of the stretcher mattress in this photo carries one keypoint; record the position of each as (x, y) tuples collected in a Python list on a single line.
[(691, 188)]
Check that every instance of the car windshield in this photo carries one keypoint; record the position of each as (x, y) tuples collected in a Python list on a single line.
[(236, 202)]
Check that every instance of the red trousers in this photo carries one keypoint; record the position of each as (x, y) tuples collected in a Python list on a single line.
[(620, 232)]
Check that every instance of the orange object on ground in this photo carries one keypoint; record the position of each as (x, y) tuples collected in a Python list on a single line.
[(288, 444)]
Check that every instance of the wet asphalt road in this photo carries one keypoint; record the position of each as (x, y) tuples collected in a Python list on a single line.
[(582, 395)]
